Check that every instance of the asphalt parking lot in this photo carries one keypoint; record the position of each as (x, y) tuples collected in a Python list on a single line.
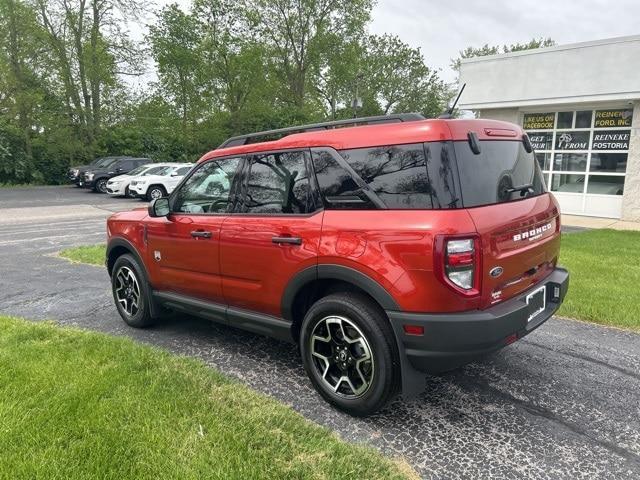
[(562, 403)]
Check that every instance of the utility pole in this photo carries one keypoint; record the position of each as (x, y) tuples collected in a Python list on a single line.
[(357, 101)]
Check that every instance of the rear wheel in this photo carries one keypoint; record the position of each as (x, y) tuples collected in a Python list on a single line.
[(131, 292), (156, 191), (349, 353)]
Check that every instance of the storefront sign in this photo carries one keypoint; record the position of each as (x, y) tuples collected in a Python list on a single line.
[(572, 140), (611, 140), (538, 121), (541, 140), (613, 118)]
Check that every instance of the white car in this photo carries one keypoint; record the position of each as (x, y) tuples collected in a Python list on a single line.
[(160, 183), (119, 186)]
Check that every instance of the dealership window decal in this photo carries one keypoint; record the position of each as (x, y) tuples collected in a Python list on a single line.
[(582, 152)]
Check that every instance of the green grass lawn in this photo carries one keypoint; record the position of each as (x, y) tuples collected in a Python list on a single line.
[(605, 277), (604, 266), (91, 254), (75, 404)]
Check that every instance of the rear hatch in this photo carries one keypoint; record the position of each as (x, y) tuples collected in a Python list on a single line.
[(518, 222)]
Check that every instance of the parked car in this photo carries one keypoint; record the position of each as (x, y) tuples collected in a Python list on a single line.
[(76, 174), (119, 186), (159, 183), (384, 250), (96, 178)]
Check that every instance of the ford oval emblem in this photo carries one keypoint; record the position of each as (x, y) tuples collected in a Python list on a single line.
[(495, 272)]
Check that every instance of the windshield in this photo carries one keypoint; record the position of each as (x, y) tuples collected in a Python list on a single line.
[(105, 162), (503, 171), (154, 171), (166, 171), (139, 170)]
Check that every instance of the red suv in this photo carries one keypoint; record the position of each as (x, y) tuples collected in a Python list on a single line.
[(398, 246)]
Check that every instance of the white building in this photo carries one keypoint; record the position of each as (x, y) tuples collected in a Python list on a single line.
[(580, 104)]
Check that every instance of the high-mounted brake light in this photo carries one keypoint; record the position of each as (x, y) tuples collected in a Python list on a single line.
[(458, 263)]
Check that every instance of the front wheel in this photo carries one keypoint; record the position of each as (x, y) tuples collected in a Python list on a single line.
[(101, 185), (349, 352), (131, 292), (156, 191)]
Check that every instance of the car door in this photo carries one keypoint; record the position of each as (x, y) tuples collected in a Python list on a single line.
[(121, 167), (273, 233), (184, 246)]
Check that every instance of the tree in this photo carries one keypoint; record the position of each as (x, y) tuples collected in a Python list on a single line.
[(21, 88), (175, 46), (89, 50), (485, 50), (236, 62), (297, 31), (398, 78), (223, 67)]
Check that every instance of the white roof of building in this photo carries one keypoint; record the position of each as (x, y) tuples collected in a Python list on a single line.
[(597, 71)]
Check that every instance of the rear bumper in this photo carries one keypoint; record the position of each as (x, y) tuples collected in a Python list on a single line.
[(451, 340)]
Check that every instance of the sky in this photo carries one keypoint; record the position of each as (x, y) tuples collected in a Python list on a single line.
[(442, 28)]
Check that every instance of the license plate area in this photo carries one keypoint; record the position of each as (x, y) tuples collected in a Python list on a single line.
[(537, 302)]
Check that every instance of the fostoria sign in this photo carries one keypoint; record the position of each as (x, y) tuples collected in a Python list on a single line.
[(611, 140)]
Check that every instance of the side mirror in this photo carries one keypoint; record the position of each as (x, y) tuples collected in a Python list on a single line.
[(174, 174), (159, 207)]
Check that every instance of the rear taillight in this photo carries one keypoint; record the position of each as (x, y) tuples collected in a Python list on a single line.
[(457, 262)]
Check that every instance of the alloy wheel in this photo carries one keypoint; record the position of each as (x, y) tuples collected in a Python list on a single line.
[(155, 193), (342, 356), (128, 291), (102, 186)]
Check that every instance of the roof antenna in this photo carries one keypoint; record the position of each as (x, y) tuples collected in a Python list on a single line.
[(449, 113)]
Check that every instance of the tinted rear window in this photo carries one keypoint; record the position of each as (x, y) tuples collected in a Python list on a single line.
[(487, 177), (396, 173)]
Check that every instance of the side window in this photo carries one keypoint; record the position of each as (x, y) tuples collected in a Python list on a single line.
[(208, 189), (396, 173), (278, 183), (124, 165), (443, 175), (337, 186)]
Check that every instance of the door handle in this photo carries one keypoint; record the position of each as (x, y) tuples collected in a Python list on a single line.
[(201, 234), (287, 240)]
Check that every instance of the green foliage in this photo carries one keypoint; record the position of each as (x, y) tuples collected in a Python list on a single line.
[(223, 67)]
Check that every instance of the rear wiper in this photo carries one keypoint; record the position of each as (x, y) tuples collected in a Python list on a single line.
[(523, 189)]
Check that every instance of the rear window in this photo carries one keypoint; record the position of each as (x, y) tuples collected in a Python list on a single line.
[(491, 176)]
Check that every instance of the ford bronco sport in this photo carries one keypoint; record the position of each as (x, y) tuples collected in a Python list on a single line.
[(397, 246)]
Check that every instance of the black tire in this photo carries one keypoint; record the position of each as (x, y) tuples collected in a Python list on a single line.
[(139, 317), (156, 191), (364, 319), (127, 193), (100, 186)]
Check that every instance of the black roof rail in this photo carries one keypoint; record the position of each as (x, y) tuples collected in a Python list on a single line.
[(283, 132)]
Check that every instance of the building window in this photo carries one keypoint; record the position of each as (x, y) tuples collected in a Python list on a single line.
[(582, 152)]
